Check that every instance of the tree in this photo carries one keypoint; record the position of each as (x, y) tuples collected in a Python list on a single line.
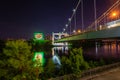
[(18, 63), (66, 66), (49, 69), (78, 62), (75, 62)]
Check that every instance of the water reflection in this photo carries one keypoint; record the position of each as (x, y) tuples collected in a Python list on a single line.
[(60, 50), (106, 50), (56, 61), (56, 52)]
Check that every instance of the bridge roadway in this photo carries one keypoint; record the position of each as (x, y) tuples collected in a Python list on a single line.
[(108, 33)]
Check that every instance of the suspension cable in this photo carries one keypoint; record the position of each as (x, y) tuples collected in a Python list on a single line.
[(105, 13), (74, 13), (82, 15)]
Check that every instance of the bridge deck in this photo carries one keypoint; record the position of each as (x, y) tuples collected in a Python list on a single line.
[(108, 33)]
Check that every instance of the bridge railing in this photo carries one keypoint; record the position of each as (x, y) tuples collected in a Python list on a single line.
[(115, 23)]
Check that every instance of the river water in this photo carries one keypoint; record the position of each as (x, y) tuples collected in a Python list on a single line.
[(104, 51)]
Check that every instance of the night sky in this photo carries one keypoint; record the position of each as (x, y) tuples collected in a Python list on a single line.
[(21, 18)]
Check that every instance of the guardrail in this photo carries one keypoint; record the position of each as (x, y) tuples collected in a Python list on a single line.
[(91, 72), (97, 70)]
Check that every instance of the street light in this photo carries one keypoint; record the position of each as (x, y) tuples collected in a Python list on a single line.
[(74, 10), (69, 19), (64, 29), (74, 31), (79, 31), (114, 15), (66, 25)]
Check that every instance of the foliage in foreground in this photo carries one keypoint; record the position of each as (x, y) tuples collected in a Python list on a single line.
[(17, 62), (74, 63)]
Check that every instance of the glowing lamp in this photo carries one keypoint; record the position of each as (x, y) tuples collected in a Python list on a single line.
[(79, 31), (74, 31), (114, 14)]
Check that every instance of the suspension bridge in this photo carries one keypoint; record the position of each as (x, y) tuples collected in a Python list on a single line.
[(103, 30), (107, 26)]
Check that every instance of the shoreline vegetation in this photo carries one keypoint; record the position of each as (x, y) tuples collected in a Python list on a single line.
[(16, 63)]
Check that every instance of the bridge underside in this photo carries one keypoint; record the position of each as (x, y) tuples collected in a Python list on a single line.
[(109, 33)]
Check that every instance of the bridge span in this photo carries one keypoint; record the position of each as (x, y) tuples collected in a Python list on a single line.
[(108, 33), (106, 26)]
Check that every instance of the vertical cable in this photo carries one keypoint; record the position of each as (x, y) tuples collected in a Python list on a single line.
[(70, 27), (82, 15), (70, 24), (95, 14), (74, 11), (75, 20)]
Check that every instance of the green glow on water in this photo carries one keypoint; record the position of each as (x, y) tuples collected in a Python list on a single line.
[(39, 58)]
